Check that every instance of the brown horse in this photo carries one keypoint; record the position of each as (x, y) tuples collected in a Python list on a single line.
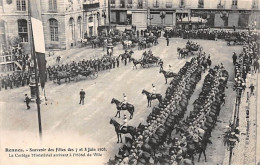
[(136, 62), (151, 97), (62, 75), (129, 107), (168, 75), (130, 130)]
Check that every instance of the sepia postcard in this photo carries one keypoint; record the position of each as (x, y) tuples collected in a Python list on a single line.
[(129, 82)]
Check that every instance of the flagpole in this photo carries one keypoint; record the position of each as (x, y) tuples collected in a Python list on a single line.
[(109, 13), (35, 69)]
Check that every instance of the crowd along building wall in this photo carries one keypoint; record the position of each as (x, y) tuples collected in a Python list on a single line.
[(65, 22), (219, 13)]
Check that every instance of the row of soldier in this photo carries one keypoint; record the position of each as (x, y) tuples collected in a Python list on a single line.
[(14, 80), (136, 152), (245, 63), (207, 34), (98, 64)]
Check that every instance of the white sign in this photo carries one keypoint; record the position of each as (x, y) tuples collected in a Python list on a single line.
[(38, 35)]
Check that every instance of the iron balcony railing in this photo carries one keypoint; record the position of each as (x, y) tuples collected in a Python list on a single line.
[(92, 6)]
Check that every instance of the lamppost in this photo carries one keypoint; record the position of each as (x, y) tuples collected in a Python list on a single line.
[(98, 20)]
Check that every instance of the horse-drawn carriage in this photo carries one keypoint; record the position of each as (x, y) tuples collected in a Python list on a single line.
[(126, 55), (235, 40), (74, 74), (149, 59), (190, 49), (147, 42)]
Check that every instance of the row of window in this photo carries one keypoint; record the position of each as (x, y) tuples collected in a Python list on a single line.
[(21, 5), (23, 30), (169, 4), (54, 28)]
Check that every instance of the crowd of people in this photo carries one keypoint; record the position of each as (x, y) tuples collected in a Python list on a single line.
[(149, 58), (209, 34), (16, 78), (245, 63), (149, 146), (97, 64), (17, 54), (151, 143)]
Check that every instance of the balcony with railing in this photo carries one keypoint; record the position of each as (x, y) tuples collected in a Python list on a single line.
[(91, 6)]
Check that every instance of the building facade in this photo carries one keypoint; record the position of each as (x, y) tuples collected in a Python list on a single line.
[(127, 12), (65, 22), (218, 13)]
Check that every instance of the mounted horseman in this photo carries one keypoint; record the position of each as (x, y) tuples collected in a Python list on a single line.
[(152, 96), (124, 105), (168, 74), (123, 129)]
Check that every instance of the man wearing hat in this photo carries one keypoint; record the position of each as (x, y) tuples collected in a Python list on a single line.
[(27, 101), (82, 96)]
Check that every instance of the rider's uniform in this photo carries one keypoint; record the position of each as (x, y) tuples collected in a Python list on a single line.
[(154, 90), (170, 69), (124, 123), (125, 100)]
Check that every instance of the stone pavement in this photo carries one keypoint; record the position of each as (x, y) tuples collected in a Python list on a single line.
[(246, 152), (258, 121)]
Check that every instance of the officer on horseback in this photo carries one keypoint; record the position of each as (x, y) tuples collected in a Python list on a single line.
[(125, 124)]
